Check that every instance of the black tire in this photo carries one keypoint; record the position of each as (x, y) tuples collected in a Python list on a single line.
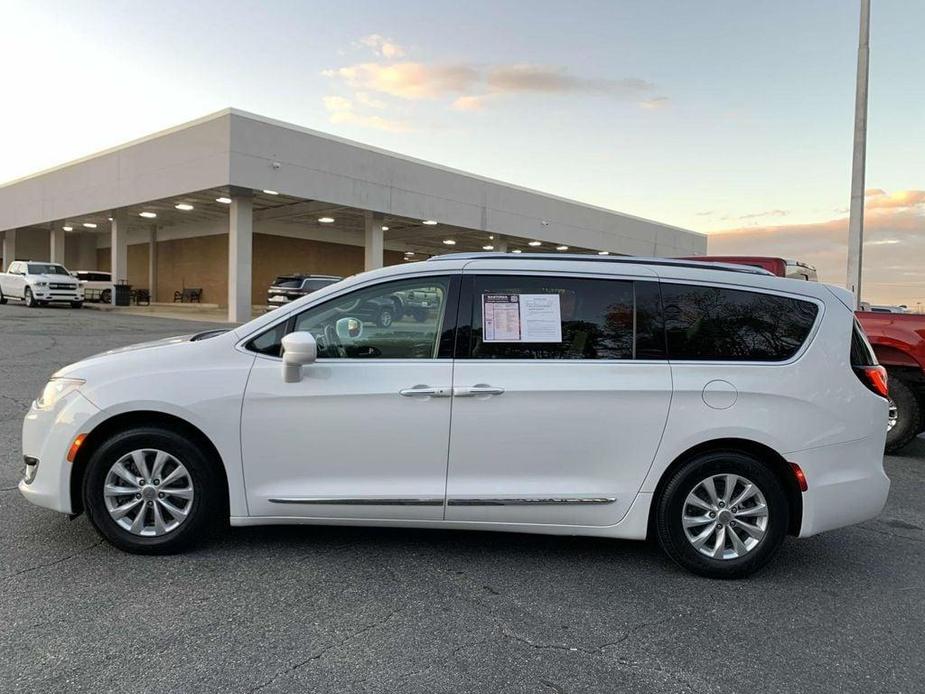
[(420, 315), (77, 304), (385, 318), (28, 299), (208, 507), (908, 415), (2, 299), (670, 508), (106, 296)]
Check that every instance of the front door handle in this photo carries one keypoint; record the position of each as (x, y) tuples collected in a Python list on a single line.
[(426, 391), (476, 390)]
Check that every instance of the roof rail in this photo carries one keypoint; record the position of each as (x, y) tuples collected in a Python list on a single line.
[(625, 259)]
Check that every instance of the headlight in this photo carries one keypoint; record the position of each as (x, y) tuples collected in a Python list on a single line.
[(55, 390), (41, 284)]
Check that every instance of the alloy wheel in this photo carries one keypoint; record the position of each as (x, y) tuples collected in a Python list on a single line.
[(725, 516), (892, 416), (148, 492)]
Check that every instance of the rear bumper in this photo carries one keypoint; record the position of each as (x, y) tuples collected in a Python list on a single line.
[(846, 484)]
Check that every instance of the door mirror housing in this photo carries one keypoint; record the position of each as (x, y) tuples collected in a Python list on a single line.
[(299, 349)]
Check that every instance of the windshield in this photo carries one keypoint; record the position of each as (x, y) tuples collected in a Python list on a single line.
[(47, 269), (288, 282)]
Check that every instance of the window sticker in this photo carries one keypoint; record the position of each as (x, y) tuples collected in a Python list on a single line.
[(521, 318)]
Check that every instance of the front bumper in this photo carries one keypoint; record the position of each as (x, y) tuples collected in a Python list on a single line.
[(47, 294), (46, 436), (846, 484)]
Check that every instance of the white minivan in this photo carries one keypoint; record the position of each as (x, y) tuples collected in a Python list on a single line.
[(717, 408)]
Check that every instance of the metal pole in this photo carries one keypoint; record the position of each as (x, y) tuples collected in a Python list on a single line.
[(856, 215)]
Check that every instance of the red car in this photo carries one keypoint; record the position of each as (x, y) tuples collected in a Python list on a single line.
[(898, 340)]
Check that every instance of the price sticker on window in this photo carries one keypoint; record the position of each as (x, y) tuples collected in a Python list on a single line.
[(521, 318)]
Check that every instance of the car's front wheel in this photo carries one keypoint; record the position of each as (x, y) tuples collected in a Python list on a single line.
[(386, 316), (151, 491), (723, 515), (28, 298)]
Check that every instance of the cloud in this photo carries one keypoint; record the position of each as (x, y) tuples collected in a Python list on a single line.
[(901, 199), (769, 213), (341, 110), (408, 80), (654, 103), (893, 258), (380, 45), (524, 77), (470, 103)]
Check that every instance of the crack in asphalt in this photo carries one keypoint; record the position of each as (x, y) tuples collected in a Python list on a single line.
[(83, 550), (295, 666), (889, 534)]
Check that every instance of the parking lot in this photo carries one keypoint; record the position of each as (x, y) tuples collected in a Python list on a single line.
[(338, 609)]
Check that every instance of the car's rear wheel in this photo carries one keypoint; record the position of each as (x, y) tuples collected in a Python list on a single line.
[(905, 415), (150, 491), (724, 514), (106, 296), (386, 316), (28, 298), (2, 299)]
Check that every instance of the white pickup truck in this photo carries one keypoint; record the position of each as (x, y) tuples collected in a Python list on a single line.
[(38, 284)]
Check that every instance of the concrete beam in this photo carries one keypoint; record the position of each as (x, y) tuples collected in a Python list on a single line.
[(9, 247), (119, 249), (374, 241), (240, 257)]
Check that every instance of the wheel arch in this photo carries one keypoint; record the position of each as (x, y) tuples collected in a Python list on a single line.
[(767, 455), (138, 418)]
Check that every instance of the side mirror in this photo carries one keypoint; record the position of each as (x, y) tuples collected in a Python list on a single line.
[(299, 349)]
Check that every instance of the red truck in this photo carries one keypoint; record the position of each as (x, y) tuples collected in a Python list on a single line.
[(898, 340)]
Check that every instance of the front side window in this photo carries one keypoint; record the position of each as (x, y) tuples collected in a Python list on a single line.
[(550, 317), (371, 323), (713, 324)]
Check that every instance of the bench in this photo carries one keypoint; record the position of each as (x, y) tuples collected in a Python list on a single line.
[(188, 295), (141, 297)]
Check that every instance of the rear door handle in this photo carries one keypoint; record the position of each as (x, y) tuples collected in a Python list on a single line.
[(473, 391), (425, 391)]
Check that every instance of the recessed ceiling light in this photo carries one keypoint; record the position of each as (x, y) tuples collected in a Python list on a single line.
[(183, 206), (326, 220), (449, 242), (148, 215), (429, 222), (384, 227), (68, 228), (517, 250), (561, 248), (489, 247), (109, 218), (491, 237), (271, 192), (409, 252), (90, 225), (223, 200), (603, 252), (534, 243)]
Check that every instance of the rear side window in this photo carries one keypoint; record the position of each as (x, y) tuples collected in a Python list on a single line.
[(713, 324), (549, 317), (288, 282), (862, 354)]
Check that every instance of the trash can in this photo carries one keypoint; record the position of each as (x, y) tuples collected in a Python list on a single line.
[(123, 294)]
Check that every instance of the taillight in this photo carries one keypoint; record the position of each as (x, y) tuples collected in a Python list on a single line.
[(874, 377)]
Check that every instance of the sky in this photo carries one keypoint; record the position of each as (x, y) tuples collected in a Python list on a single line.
[(729, 118)]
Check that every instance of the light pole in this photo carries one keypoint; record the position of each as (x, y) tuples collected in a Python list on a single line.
[(858, 163)]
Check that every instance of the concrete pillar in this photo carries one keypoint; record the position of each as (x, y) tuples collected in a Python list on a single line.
[(501, 246), (152, 262), (375, 242), (119, 249), (240, 255), (9, 248), (56, 243)]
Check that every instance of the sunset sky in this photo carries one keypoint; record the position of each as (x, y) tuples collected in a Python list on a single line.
[(731, 118)]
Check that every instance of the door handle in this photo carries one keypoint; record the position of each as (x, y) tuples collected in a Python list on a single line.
[(473, 391), (426, 391)]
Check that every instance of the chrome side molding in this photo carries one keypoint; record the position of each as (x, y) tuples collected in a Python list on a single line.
[(360, 501), (531, 500)]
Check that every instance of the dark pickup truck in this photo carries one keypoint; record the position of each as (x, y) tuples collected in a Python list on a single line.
[(288, 288)]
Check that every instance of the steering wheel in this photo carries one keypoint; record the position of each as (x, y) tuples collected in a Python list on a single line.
[(331, 338)]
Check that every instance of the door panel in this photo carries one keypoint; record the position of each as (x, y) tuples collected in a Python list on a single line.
[(561, 431), (364, 434)]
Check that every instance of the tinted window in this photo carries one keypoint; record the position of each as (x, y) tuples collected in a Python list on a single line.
[(861, 352), (708, 323), (288, 282), (315, 285), (595, 318), (46, 269), (371, 323)]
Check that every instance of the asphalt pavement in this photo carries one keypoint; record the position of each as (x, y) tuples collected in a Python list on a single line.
[(372, 610)]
